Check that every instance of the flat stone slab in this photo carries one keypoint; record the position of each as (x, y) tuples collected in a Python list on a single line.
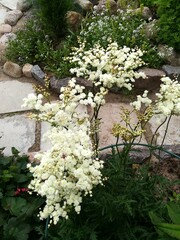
[(11, 95), (17, 131), (3, 13), (11, 4), (173, 132), (110, 114)]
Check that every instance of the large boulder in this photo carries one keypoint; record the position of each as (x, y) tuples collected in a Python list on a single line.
[(152, 80), (5, 38), (168, 54), (12, 69), (12, 17), (38, 74), (5, 28), (23, 5), (27, 68)]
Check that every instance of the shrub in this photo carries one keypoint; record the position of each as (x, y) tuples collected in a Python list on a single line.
[(52, 15), (30, 46), (125, 28), (169, 22)]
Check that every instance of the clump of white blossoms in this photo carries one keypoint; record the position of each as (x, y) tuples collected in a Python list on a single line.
[(107, 67), (68, 170), (168, 98)]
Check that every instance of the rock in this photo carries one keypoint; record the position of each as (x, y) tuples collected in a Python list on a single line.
[(151, 30), (23, 5), (168, 54), (5, 28), (145, 12), (85, 4), (152, 81), (56, 84), (27, 68), (12, 17), (3, 12), (12, 69), (38, 74), (73, 20), (6, 38), (172, 71), (110, 4)]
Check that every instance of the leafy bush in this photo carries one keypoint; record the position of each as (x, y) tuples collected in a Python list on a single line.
[(125, 28), (119, 209), (30, 46), (18, 212), (52, 15), (169, 22)]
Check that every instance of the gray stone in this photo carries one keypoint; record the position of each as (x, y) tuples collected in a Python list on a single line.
[(23, 5), (11, 95), (3, 13), (56, 84), (17, 131), (168, 54), (12, 17), (84, 4), (172, 71), (11, 4), (6, 37), (151, 29), (173, 132), (102, 5), (152, 81), (27, 70), (145, 12), (38, 74), (12, 69), (5, 28)]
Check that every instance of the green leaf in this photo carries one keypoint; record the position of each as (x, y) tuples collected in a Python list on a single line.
[(16, 205), (14, 151), (172, 230), (15, 230), (174, 212)]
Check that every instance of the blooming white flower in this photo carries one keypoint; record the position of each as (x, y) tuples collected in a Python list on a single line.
[(69, 169), (168, 98)]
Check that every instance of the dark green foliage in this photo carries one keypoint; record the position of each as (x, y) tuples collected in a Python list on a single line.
[(18, 209), (52, 14), (30, 46), (119, 209), (125, 28), (169, 22)]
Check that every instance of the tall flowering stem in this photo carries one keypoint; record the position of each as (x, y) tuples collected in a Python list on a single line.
[(69, 169), (105, 68)]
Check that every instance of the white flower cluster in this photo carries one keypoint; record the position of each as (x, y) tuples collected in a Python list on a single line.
[(168, 98), (107, 67), (69, 169), (141, 99)]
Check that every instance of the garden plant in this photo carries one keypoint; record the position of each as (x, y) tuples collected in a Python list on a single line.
[(73, 191)]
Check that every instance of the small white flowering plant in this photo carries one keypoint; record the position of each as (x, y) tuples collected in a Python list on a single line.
[(107, 67)]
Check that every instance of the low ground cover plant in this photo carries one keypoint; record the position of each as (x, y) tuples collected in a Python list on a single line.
[(18, 213)]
